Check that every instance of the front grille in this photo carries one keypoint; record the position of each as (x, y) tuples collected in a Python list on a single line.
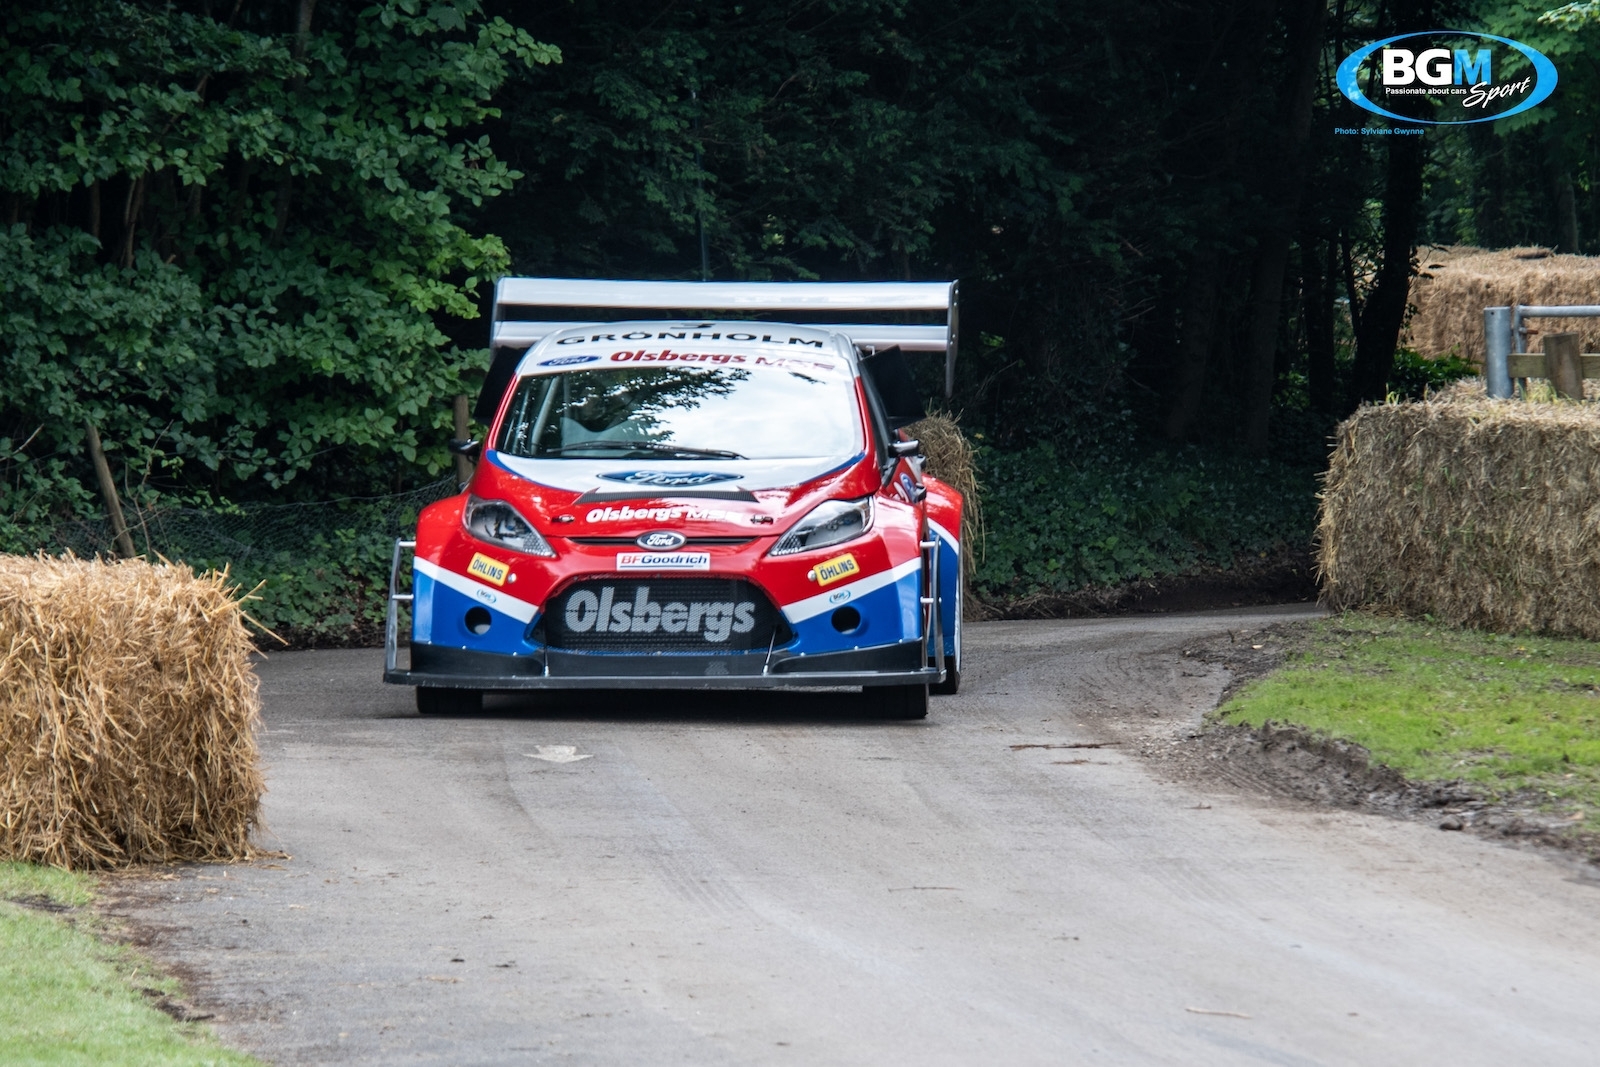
[(663, 615), (632, 542)]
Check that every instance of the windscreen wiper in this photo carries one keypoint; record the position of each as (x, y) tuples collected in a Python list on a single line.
[(646, 446)]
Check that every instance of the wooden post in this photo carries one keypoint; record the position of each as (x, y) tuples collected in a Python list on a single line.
[(1563, 364), (108, 490), (463, 428)]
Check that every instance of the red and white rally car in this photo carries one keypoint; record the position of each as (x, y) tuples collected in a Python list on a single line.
[(693, 503)]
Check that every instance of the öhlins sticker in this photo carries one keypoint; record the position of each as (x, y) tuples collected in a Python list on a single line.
[(836, 569), (489, 570)]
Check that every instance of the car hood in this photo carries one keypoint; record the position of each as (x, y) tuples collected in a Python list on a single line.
[(633, 478)]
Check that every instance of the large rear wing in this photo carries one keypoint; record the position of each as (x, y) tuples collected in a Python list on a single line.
[(526, 310)]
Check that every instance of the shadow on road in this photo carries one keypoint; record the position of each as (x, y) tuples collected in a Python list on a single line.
[(749, 706)]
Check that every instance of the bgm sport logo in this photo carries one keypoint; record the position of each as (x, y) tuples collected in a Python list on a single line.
[(1446, 77), (604, 613), (670, 479)]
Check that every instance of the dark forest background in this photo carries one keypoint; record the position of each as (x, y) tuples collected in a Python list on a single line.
[(253, 241)]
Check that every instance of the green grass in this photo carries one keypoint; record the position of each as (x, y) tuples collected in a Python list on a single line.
[(1505, 713), (68, 998)]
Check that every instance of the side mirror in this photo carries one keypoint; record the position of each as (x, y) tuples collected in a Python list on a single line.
[(905, 448), (470, 449)]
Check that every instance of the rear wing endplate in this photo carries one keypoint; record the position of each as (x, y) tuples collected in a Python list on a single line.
[(526, 310)]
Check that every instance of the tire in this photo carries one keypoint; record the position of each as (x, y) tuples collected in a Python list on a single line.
[(432, 701), (952, 664), (900, 701)]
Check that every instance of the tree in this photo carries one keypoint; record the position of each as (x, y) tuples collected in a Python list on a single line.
[(230, 242)]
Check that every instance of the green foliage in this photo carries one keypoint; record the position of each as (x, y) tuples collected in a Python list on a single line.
[(874, 140), (1508, 712), (1530, 179), (1414, 374), (808, 137), (1573, 16), (1056, 525), (233, 249), (318, 573)]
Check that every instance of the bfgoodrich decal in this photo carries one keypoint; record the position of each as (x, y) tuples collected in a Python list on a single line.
[(1446, 77), (663, 561)]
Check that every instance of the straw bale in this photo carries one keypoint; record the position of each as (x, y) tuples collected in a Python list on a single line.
[(1478, 512), (1454, 284), (950, 459), (128, 711)]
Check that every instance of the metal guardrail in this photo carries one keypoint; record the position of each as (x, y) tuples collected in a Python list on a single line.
[(1505, 335)]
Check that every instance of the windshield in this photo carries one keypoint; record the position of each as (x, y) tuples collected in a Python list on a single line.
[(682, 413)]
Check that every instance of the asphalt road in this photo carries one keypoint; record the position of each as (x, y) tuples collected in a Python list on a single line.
[(763, 879)]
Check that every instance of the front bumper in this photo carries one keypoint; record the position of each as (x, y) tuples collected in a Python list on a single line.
[(902, 663), (456, 668)]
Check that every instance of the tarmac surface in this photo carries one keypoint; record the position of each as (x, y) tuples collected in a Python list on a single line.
[(647, 878)]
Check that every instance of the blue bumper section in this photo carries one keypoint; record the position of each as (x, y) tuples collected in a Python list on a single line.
[(439, 616), (890, 614), (464, 641)]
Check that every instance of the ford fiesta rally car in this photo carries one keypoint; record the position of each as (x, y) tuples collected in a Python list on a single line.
[(692, 504)]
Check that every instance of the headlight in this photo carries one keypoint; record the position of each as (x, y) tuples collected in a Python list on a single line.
[(499, 523), (827, 524)]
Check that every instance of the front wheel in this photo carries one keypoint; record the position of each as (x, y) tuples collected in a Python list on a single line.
[(432, 701), (899, 701), (952, 663)]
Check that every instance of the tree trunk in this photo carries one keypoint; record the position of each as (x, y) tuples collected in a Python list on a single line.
[(130, 219), (1306, 18), (1244, 34), (302, 39), (1566, 213), (1194, 343), (1384, 311), (1317, 273), (108, 491)]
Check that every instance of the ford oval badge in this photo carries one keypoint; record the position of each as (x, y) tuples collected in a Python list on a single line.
[(669, 479), (661, 539)]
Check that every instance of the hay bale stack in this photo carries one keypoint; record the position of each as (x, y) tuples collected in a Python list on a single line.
[(128, 711), (1478, 512), (950, 459), (1455, 284)]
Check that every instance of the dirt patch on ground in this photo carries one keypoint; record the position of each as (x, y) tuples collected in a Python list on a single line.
[(1288, 762), (1287, 578)]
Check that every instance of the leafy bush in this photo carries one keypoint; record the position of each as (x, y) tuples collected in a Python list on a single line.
[(1414, 374), (1055, 525), (232, 247), (320, 571)]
